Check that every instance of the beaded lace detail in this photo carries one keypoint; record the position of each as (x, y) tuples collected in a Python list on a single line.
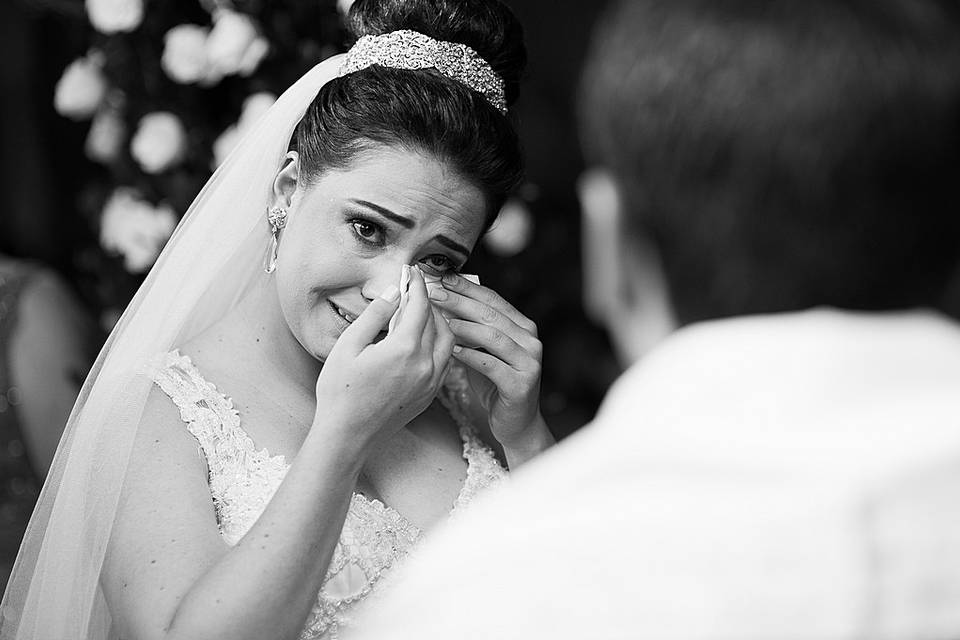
[(243, 479)]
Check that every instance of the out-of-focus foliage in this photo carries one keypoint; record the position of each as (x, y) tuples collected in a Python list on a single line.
[(168, 86)]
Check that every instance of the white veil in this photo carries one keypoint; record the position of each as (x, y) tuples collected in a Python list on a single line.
[(215, 256)]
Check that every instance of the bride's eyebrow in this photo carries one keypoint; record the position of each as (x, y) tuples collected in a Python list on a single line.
[(406, 223), (450, 244)]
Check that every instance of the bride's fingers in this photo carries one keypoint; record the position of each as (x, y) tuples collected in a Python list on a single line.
[(495, 342), (456, 283), (471, 309), (505, 378)]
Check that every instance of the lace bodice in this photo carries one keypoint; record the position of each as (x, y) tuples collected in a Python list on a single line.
[(243, 479)]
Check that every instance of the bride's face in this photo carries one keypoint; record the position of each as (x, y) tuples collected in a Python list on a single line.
[(349, 233)]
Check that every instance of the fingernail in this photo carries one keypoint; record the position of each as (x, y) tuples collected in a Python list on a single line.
[(450, 278), (437, 293), (391, 293)]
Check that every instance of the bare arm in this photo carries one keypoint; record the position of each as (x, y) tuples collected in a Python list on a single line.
[(169, 574)]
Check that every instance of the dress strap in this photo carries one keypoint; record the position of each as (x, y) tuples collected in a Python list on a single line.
[(209, 415)]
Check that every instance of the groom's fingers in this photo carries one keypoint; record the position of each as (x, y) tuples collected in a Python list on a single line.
[(372, 321)]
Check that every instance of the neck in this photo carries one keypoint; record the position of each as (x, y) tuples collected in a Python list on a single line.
[(264, 331)]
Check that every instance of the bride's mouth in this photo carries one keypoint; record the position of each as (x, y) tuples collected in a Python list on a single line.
[(346, 315)]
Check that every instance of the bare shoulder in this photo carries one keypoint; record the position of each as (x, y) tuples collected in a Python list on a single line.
[(214, 352), (165, 535)]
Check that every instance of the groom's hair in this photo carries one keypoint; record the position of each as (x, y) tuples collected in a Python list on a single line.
[(783, 154)]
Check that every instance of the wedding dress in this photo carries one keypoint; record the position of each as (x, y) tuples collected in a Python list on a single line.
[(243, 478)]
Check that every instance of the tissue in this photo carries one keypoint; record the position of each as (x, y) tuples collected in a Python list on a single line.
[(431, 280)]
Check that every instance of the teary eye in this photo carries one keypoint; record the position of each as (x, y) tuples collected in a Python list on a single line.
[(439, 264), (368, 231)]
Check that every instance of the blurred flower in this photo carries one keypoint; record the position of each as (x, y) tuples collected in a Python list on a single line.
[(114, 16), (234, 45), (256, 52), (185, 53), (160, 141), (224, 144), (511, 231), (106, 135), (253, 109), (132, 227), (80, 89)]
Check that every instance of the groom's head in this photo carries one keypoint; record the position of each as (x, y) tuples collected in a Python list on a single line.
[(756, 156)]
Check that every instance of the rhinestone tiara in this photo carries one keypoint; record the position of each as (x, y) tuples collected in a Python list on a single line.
[(412, 50)]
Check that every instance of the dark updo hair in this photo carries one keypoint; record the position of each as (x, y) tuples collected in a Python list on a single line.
[(422, 110)]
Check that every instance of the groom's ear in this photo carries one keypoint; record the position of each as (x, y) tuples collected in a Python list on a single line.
[(624, 286), (601, 206), (285, 184)]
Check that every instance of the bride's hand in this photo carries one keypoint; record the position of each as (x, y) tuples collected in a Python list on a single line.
[(366, 386), (500, 344)]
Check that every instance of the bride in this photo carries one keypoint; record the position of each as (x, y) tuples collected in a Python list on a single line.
[(304, 384)]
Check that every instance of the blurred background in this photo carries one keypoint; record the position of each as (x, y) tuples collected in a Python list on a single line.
[(115, 113)]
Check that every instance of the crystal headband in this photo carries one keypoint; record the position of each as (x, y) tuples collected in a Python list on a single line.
[(412, 50)]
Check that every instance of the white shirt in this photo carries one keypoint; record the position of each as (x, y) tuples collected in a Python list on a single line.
[(788, 476)]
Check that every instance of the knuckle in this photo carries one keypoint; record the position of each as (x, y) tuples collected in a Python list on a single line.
[(489, 314), (407, 350), (536, 349), (531, 371), (496, 338), (531, 327), (528, 380), (424, 372)]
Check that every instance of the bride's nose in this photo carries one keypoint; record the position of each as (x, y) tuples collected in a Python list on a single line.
[(380, 276)]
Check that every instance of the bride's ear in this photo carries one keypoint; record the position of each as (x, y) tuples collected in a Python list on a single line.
[(285, 184)]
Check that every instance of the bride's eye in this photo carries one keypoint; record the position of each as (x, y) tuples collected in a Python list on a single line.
[(438, 264), (367, 231)]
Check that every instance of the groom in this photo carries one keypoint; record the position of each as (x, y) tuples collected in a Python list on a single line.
[(769, 227)]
